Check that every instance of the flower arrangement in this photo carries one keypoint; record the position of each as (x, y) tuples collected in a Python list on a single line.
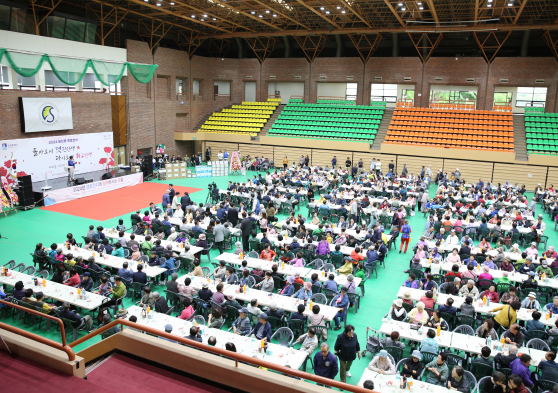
[(235, 162)]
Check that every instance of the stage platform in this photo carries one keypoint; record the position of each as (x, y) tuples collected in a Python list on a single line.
[(62, 182)]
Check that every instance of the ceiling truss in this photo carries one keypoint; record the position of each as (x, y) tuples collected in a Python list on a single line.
[(365, 44), (311, 46), (262, 46), (491, 43)]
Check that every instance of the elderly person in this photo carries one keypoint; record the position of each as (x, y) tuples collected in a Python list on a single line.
[(136, 254), (412, 366), (382, 364), (262, 331), (488, 262), (267, 284), (241, 325), (347, 268), (220, 270), (341, 302), (454, 257), (531, 303), (186, 289), (397, 311), (325, 363), (437, 370), (469, 290), (347, 348), (288, 289), (491, 294), (309, 341), (485, 275), (532, 250), (304, 293), (392, 341), (418, 315), (507, 266)]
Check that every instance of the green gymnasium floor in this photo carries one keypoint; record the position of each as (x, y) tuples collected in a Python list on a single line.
[(24, 230)]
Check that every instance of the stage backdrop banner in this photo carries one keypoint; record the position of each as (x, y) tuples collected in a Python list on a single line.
[(45, 114), (98, 187), (50, 155)]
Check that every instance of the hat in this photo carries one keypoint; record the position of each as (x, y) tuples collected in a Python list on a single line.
[(243, 310), (383, 353), (515, 245), (87, 274), (407, 295), (205, 284), (417, 354), (238, 244), (168, 327), (398, 302), (533, 243), (263, 316), (122, 312), (532, 294), (531, 273)]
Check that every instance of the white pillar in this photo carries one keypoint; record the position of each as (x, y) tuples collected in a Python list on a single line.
[(12, 76)]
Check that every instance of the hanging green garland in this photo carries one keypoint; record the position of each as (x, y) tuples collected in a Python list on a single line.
[(72, 71)]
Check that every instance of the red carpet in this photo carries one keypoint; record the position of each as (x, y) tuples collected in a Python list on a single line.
[(115, 203), (124, 374), (23, 375)]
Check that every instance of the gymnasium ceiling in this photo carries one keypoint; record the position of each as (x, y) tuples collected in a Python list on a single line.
[(311, 25)]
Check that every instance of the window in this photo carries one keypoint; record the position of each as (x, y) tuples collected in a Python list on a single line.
[(18, 21), (53, 83), (408, 94), (351, 92), (70, 29), (90, 33), (91, 83), (450, 97), (4, 17), (384, 92), (503, 96), (24, 83), (4, 81), (531, 96), (55, 26)]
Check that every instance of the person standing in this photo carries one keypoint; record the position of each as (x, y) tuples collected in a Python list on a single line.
[(347, 349), (378, 166), (285, 162), (372, 165), (325, 363), (219, 232), (348, 164), (333, 162), (405, 236), (245, 227), (71, 167)]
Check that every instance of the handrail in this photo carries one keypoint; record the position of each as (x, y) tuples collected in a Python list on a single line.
[(228, 354), (51, 343)]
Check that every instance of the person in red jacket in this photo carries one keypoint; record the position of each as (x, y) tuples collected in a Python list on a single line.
[(515, 383), (74, 279), (491, 294)]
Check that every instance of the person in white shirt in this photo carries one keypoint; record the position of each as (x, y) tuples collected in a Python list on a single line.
[(309, 341), (378, 166), (220, 156), (178, 213), (172, 237), (452, 238)]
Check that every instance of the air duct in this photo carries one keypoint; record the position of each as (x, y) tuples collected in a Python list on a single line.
[(287, 47), (525, 43), (395, 45), (239, 44), (339, 42)]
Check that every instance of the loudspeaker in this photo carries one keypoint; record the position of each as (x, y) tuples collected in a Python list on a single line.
[(80, 180), (147, 168), (106, 176)]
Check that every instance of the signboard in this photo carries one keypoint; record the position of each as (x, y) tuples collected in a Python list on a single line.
[(45, 114)]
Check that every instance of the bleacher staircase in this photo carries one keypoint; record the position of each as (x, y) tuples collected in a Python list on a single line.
[(272, 119), (520, 141), (382, 130)]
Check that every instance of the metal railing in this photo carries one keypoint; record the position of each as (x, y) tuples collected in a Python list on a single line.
[(237, 357), (215, 96), (51, 343)]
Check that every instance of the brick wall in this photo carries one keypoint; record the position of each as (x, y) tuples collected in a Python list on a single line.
[(392, 70), (522, 71), (285, 70), (250, 67), (336, 69), (91, 113), (455, 72)]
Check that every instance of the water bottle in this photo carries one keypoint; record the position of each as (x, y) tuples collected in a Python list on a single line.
[(487, 301), (489, 341), (389, 317), (398, 380)]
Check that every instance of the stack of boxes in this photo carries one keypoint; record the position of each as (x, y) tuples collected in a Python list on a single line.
[(220, 168)]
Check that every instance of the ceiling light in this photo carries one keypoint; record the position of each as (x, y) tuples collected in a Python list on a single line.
[(194, 16), (490, 1), (172, 3), (343, 11), (203, 20), (419, 3), (421, 8), (510, 4), (338, 7), (400, 4), (253, 12), (214, 18), (146, 0), (275, 15), (322, 8), (327, 12), (489, 5), (261, 16), (403, 9), (267, 11)]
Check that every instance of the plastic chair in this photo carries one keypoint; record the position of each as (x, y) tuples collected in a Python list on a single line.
[(471, 378), (43, 274), (253, 254), (319, 298), (464, 329), (284, 335), (395, 353), (539, 344), (328, 267)]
